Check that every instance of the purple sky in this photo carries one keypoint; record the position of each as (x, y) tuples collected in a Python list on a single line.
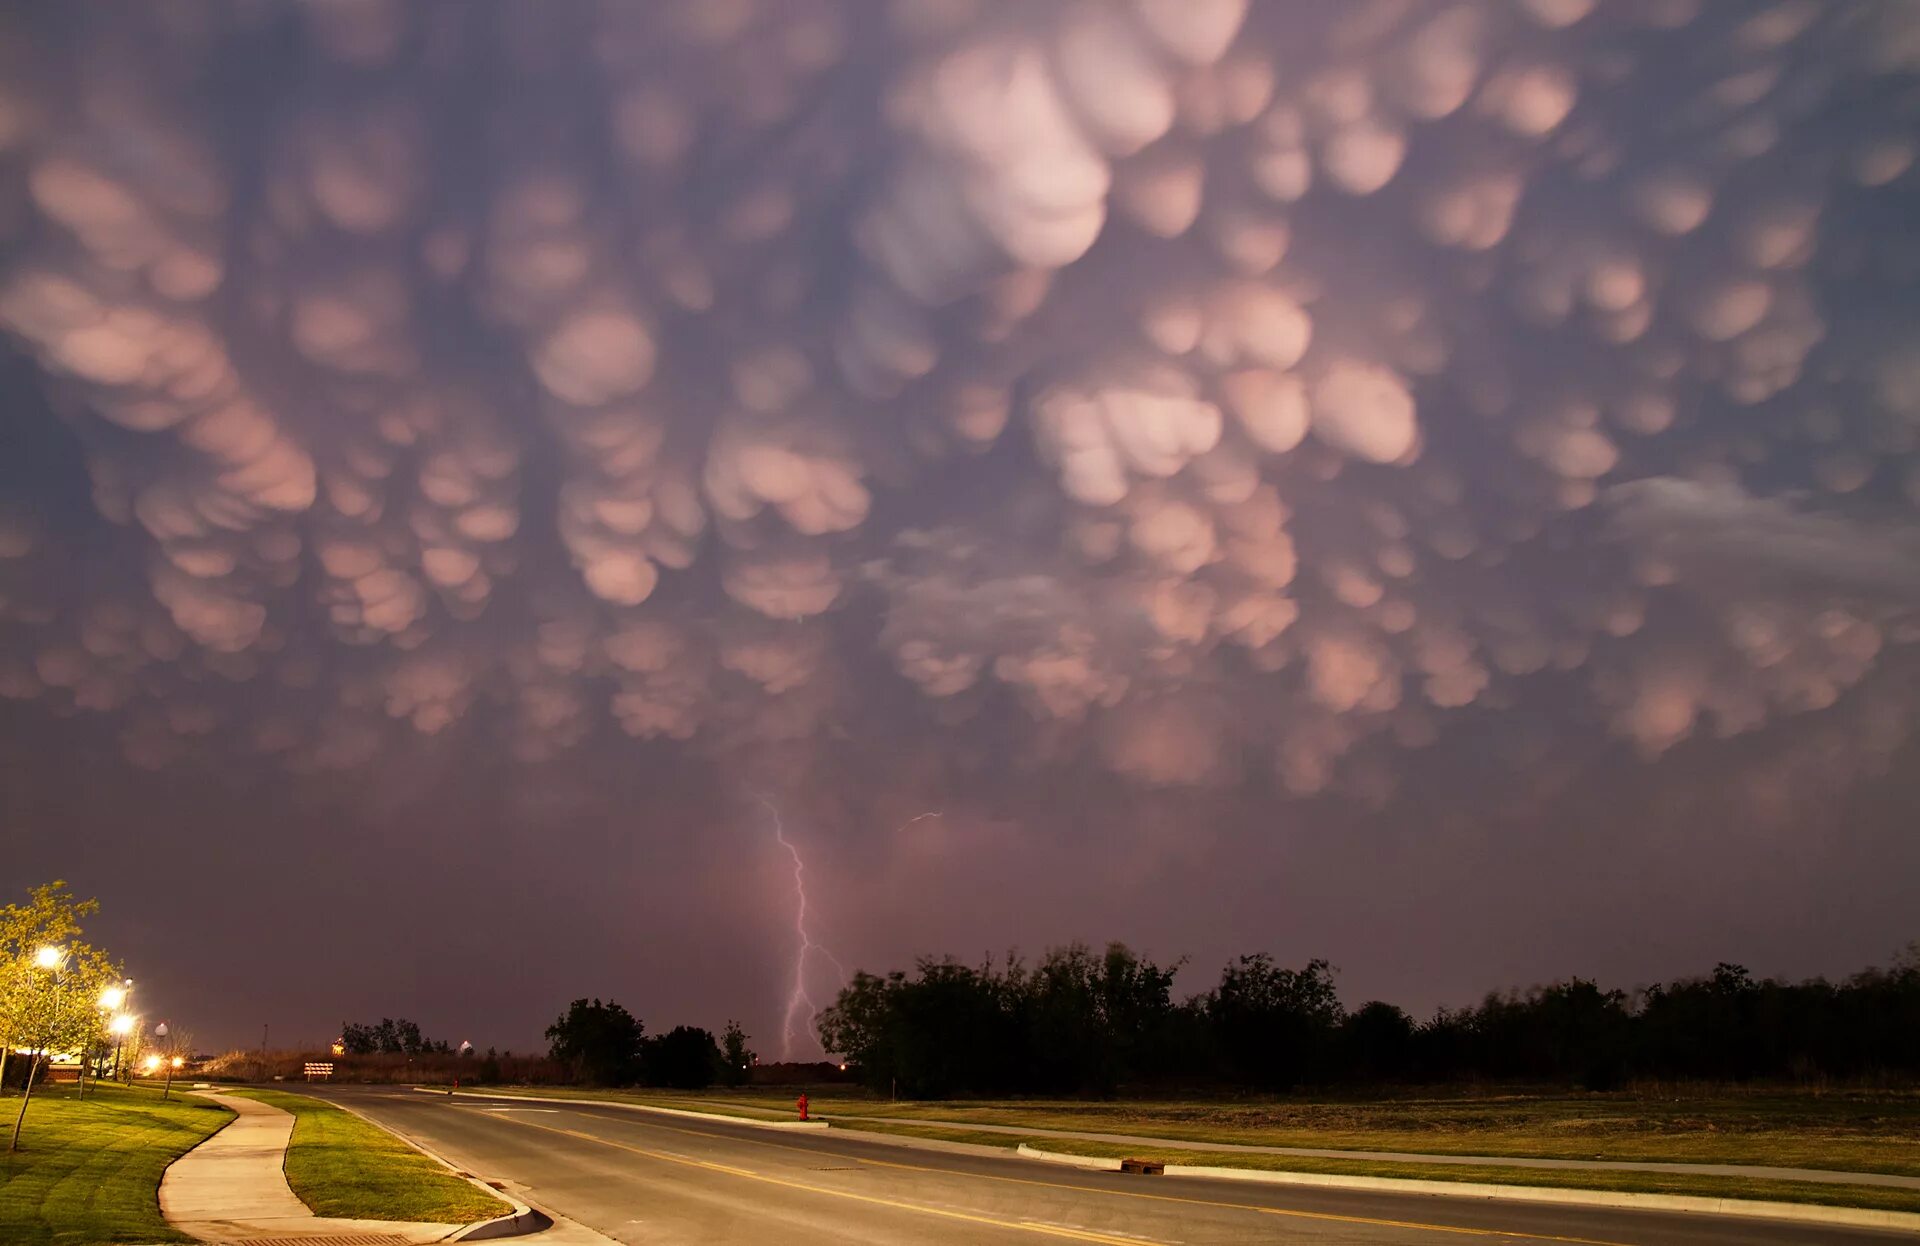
[(1429, 486)]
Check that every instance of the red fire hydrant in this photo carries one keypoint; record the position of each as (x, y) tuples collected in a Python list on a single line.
[(802, 1104)]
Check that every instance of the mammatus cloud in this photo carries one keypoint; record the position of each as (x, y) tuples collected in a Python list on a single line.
[(1212, 392)]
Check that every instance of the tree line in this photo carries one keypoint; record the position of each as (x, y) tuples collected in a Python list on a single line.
[(1079, 1023), (390, 1037), (603, 1044)]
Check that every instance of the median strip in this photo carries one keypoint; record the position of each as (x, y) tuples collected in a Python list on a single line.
[(343, 1167)]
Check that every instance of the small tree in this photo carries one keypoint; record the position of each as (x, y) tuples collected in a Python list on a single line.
[(60, 1011), (737, 1060), (51, 917)]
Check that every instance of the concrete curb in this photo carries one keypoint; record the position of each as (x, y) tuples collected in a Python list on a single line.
[(1094, 1163), (516, 1223), (1805, 1213), (631, 1107)]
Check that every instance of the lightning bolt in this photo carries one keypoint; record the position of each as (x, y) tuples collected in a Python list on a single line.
[(920, 817), (799, 999)]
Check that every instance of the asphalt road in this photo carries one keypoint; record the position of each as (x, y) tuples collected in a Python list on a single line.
[(663, 1181)]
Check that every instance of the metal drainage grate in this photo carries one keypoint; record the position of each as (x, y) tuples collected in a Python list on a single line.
[(339, 1239)]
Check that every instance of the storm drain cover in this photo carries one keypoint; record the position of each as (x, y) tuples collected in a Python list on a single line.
[(338, 1239)]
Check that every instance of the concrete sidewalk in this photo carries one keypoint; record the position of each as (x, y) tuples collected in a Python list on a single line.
[(1825, 1176), (233, 1188)]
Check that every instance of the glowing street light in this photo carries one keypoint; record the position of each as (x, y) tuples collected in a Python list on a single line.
[(121, 1026), (112, 997), (50, 957), (151, 1064), (160, 1031)]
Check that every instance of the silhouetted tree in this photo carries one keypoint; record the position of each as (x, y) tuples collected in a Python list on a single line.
[(601, 1043), (736, 1059), (1081, 1023), (1377, 1043), (1273, 1026), (389, 1037), (685, 1058), (947, 1030)]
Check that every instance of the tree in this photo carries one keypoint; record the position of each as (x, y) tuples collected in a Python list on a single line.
[(1377, 1039), (736, 1059), (601, 1043), (50, 918), (50, 981), (685, 1058), (1274, 1025), (390, 1037)]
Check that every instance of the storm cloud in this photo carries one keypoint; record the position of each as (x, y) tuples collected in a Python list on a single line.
[(1220, 396)]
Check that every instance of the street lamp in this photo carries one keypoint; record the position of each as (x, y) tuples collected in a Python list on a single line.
[(160, 1031), (113, 999), (119, 1027), (50, 957)]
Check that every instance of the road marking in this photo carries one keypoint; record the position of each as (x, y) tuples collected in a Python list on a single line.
[(1131, 1237), (1079, 1235), (1422, 1226), (1265, 1211)]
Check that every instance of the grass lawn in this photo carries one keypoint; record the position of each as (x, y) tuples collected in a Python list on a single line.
[(89, 1170), (339, 1165), (1641, 1182), (1648, 1183), (1856, 1131)]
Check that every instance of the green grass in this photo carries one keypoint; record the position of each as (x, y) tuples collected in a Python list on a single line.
[(1852, 1131), (341, 1166), (89, 1171), (1640, 1182), (1859, 1132), (1879, 1197)]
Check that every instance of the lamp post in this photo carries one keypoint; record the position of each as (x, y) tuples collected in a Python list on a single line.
[(160, 1031), (115, 1000), (119, 1027)]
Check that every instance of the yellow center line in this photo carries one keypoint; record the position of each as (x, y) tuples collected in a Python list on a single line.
[(1376, 1222), (1420, 1226)]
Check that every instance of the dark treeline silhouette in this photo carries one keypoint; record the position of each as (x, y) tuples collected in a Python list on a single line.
[(390, 1037), (1080, 1023), (603, 1044)]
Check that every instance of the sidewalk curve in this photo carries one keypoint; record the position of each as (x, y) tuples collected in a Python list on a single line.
[(233, 1188)]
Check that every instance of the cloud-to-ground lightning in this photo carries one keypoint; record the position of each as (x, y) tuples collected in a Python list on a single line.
[(799, 998)]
